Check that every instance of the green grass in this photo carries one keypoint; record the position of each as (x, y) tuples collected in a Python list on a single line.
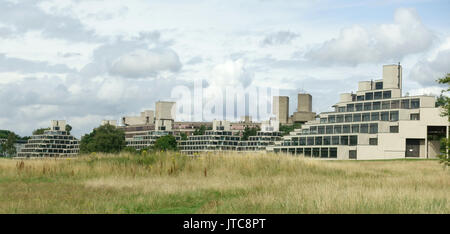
[(222, 183)]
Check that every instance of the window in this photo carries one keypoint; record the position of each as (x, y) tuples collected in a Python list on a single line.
[(378, 95), (385, 105), (352, 154), (333, 152), (359, 106), (338, 129), (335, 140), (376, 106), (350, 107), (373, 141), (373, 128), (310, 140), (356, 117), (415, 117), (341, 109), (321, 130), (355, 128), (394, 115), (313, 130), (353, 140), (369, 96), (405, 104), (302, 141), (415, 103), (323, 120), (385, 116), (327, 140), (364, 128), (344, 140), (366, 117), (375, 116), (308, 152), (318, 140), (331, 119), (367, 106), (339, 118), (316, 152), (395, 104), (348, 118), (360, 98), (386, 94), (329, 129), (324, 153), (379, 85), (346, 129), (393, 129)]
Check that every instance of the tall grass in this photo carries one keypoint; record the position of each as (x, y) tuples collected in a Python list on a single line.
[(168, 182)]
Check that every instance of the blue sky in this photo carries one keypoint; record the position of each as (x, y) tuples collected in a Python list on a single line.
[(85, 61)]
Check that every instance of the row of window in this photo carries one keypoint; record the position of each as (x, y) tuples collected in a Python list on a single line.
[(308, 152), (346, 128), (358, 117), (384, 105), (373, 96), (323, 140)]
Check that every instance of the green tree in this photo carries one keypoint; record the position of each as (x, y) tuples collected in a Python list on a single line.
[(106, 138), (444, 101), (8, 147), (249, 132), (183, 136), (40, 131), (200, 131), (286, 129), (166, 143), (68, 128)]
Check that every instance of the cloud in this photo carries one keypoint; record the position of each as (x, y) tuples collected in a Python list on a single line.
[(145, 63), (428, 71), (231, 73), (386, 42), (8, 64), (279, 38)]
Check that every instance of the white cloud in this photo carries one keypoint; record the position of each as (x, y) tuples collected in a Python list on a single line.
[(428, 71), (279, 38), (382, 43)]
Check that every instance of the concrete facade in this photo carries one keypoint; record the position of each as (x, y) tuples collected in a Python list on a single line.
[(281, 108), (165, 110)]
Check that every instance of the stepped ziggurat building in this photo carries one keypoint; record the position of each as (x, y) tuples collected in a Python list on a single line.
[(55, 142), (375, 123)]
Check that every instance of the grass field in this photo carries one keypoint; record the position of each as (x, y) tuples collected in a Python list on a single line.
[(228, 183)]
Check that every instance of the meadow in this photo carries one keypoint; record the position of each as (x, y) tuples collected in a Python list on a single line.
[(168, 182)]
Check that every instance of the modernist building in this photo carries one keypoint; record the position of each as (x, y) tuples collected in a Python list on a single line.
[(55, 142), (281, 108), (304, 109), (140, 142), (376, 122)]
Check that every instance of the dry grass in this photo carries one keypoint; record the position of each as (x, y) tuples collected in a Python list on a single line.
[(221, 183)]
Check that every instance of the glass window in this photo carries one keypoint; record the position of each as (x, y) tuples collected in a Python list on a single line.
[(318, 140), (331, 119), (359, 106), (327, 140), (367, 106), (376, 106), (302, 141), (329, 129), (393, 129), (386, 94), (344, 140), (337, 129), (333, 152), (324, 153), (307, 152), (364, 128), (415, 117), (356, 117), (316, 152), (353, 140), (339, 118), (394, 116), (373, 128), (385, 105), (350, 107), (378, 95), (335, 140), (310, 140), (346, 128), (395, 104), (360, 98), (405, 104), (385, 116), (323, 120), (379, 85), (369, 96), (375, 116), (415, 103), (355, 128), (313, 130), (321, 130), (348, 118), (341, 109), (373, 141), (366, 117)]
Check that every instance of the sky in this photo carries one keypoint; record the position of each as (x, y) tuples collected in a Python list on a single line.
[(88, 60)]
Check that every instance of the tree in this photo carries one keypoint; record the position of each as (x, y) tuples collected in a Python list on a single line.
[(286, 129), (200, 131), (444, 101), (166, 143), (183, 136), (249, 132), (40, 131), (106, 138), (8, 147), (68, 129)]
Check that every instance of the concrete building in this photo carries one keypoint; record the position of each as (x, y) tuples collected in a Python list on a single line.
[(304, 109), (110, 122), (165, 110), (146, 139), (146, 117), (281, 108), (376, 122), (55, 142)]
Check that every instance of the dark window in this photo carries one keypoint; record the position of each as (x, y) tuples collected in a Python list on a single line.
[(344, 140), (367, 106), (366, 117), (385, 105), (395, 104), (316, 152), (379, 85), (378, 95), (415, 103), (355, 128), (364, 128), (405, 104), (307, 152), (359, 106), (333, 152), (350, 107), (313, 130), (369, 96), (415, 116), (339, 119), (326, 140), (318, 140), (352, 154), (385, 116), (373, 128), (337, 129), (323, 120), (321, 130), (331, 119), (341, 109), (394, 116), (329, 129), (376, 106), (310, 141), (360, 98), (373, 141), (302, 140), (393, 129), (324, 153), (356, 117), (348, 118), (346, 129), (374, 116), (353, 140), (335, 140), (386, 94)]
